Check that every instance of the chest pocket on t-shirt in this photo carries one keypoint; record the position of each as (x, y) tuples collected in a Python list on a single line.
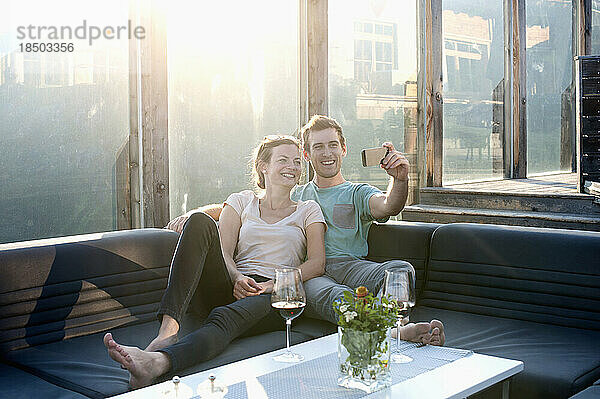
[(343, 216)]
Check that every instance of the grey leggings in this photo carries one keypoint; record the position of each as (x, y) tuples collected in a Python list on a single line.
[(343, 274)]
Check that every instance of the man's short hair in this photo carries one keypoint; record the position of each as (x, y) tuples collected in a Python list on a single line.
[(317, 123)]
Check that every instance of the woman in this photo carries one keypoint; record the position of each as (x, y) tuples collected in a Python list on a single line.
[(232, 286)]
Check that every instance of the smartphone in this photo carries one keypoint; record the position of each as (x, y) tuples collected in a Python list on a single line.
[(373, 156)]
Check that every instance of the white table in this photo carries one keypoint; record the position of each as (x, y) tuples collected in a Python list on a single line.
[(457, 379)]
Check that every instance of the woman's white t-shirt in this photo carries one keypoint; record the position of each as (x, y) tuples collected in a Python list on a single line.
[(262, 246)]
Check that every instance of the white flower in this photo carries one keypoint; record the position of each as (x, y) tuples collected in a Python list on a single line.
[(350, 316), (343, 308)]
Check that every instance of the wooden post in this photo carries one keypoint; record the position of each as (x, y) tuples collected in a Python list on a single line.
[(154, 130), (434, 111), (421, 100), (507, 135), (317, 81), (498, 141), (584, 24), (567, 129), (134, 144), (519, 90), (411, 152), (315, 74), (302, 64), (123, 188)]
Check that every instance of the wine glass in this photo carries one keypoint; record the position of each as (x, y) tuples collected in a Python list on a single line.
[(289, 298), (399, 287)]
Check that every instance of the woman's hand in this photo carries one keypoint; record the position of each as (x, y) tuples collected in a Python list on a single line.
[(245, 286)]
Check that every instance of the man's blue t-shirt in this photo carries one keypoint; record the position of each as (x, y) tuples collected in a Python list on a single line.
[(347, 213)]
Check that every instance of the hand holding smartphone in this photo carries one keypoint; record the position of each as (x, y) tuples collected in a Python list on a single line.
[(373, 156)]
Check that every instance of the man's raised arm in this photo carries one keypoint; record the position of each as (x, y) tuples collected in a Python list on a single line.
[(397, 166)]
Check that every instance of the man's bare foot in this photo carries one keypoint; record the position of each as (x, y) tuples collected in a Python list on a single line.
[(143, 366), (427, 333), (437, 337), (161, 342)]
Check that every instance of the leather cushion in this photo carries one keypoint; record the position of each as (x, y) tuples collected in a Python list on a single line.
[(541, 275), (18, 384), (408, 241), (559, 361), (82, 364)]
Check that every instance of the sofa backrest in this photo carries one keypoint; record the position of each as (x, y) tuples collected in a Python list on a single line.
[(542, 275), (62, 288), (408, 241)]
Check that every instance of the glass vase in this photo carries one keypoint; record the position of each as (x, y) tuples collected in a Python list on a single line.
[(363, 359)]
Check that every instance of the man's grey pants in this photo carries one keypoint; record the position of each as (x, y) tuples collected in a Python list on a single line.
[(344, 274)]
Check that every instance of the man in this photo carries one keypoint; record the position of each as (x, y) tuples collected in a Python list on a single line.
[(349, 211)]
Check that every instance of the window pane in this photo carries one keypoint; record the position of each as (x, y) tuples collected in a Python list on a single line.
[(549, 75), (473, 70), (379, 52), (368, 49), (595, 26), (64, 122), (231, 82), (375, 101)]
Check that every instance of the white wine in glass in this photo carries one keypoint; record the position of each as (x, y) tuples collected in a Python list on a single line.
[(399, 288), (289, 299)]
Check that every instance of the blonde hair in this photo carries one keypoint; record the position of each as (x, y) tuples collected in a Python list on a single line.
[(264, 151), (317, 123)]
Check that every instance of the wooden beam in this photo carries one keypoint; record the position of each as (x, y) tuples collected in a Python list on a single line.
[(507, 135), (519, 90), (154, 103), (317, 43), (123, 188), (567, 128), (584, 26), (434, 111), (134, 144), (421, 165), (411, 151), (302, 65), (498, 138)]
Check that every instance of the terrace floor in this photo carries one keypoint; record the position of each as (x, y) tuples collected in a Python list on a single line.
[(550, 200), (559, 183)]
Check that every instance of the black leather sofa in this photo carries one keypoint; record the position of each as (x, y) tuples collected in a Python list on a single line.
[(522, 293)]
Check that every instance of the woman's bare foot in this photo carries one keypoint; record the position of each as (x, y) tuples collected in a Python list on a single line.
[(427, 333), (143, 366)]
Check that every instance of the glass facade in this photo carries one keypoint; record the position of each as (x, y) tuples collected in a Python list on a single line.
[(549, 77), (595, 26), (232, 80), (64, 122), (373, 80), (473, 71)]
